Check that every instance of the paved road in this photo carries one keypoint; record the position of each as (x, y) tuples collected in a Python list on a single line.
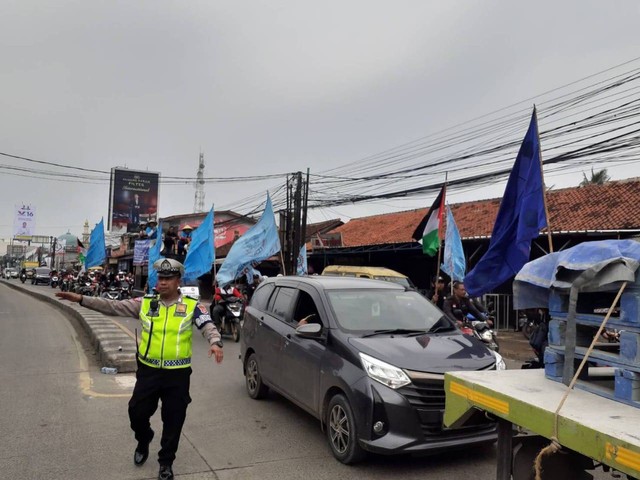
[(63, 419)]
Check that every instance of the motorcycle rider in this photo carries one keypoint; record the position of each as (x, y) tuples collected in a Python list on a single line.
[(458, 305), (221, 296)]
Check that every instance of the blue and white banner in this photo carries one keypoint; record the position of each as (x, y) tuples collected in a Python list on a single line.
[(96, 255), (154, 255), (141, 252), (259, 243), (302, 267), (201, 254)]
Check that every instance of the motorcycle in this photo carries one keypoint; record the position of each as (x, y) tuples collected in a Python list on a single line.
[(480, 330), (538, 341), (54, 281), (112, 293), (65, 285), (231, 318), (23, 277), (526, 325), (86, 288), (125, 290)]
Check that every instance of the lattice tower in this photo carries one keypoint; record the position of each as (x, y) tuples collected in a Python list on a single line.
[(198, 204)]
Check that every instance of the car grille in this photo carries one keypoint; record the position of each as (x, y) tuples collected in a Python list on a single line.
[(427, 396)]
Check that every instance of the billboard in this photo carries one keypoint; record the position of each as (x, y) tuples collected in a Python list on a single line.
[(133, 199), (24, 220)]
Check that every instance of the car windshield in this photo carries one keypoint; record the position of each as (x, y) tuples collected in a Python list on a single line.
[(42, 271), (381, 310)]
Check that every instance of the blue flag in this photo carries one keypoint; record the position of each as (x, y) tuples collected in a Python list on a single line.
[(154, 254), (201, 254), (302, 268), (520, 219), (454, 263), (97, 249), (257, 244)]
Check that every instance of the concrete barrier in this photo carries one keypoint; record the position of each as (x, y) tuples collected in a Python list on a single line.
[(105, 336)]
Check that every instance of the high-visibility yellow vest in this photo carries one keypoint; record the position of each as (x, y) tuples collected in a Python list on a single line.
[(166, 333)]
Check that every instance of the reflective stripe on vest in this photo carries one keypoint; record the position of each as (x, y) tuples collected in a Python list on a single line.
[(166, 336)]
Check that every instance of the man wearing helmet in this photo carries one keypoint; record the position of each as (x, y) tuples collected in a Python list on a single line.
[(163, 357)]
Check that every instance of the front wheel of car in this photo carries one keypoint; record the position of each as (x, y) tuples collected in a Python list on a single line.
[(255, 388), (342, 431)]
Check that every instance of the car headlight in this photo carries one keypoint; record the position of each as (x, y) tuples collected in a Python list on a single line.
[(384, 373), (500, 365)]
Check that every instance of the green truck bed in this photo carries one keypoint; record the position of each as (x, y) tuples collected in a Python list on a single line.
[(602, 429)]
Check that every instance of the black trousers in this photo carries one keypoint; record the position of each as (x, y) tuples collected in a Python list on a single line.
[(172, 388)]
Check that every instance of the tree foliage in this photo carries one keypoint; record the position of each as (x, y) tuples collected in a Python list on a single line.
[(597, 178)]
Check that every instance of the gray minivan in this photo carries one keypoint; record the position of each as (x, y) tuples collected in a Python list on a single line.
[(365, 357)]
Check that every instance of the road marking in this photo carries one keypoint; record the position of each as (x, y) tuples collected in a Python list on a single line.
[(84, 377)]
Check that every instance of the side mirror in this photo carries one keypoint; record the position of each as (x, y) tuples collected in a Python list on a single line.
[(310, 330)]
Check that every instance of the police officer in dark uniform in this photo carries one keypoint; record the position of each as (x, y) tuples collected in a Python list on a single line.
[(164, 357)]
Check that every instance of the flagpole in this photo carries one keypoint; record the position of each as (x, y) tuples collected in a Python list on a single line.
[(441, 213), (544, 188), (284, 270)]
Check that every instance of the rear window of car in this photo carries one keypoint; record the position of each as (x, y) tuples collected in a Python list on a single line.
[(42, 271), (261, 296), (281, 301), (368, 310)]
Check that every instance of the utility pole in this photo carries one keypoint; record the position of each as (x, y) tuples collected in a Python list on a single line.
[(295, 247), (293, 220), (53, 254)]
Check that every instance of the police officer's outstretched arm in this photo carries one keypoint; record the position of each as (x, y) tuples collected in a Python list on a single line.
[(121, 308), (205, 324)]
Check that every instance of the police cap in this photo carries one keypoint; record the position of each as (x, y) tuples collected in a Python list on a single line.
[(168, 267)]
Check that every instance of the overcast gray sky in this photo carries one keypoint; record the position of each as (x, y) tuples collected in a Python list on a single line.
[(266, 87)]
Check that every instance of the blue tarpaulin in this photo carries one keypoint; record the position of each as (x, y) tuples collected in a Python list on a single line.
[(610, 262)]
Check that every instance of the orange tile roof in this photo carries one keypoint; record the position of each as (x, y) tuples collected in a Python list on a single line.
[(612, 206)]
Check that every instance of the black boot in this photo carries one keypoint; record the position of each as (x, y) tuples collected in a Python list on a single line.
[(165, 473), (142, 452)]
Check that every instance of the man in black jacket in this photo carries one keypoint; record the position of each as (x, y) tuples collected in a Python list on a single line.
[(458, 305)]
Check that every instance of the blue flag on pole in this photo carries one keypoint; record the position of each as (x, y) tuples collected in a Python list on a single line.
[(96, 254), (302, 268), (520, 218), (154, 255), (257, 244), (201, 254), (454, 263)]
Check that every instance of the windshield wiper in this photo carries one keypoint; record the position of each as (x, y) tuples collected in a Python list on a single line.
[(393, 330), (441, 325)]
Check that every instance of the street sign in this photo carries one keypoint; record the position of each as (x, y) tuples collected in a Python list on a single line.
[(40, 239), (17, 250)]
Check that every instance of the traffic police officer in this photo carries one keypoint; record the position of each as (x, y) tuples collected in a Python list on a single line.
[(164, 357)]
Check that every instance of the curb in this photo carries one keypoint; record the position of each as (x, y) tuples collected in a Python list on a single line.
[(113, 347)]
